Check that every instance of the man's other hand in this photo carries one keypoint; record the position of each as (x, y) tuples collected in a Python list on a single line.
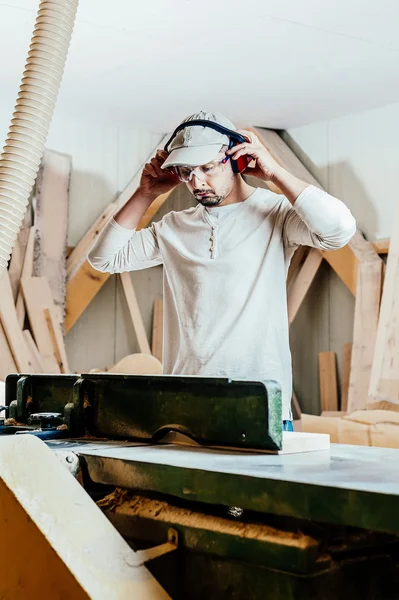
[(155, 181)]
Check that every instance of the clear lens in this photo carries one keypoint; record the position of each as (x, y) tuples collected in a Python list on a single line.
[(185, 173)]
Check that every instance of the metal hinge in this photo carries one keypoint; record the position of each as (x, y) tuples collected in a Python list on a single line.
[(146, 555)]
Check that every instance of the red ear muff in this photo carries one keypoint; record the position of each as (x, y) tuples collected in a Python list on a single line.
[(242, 162)]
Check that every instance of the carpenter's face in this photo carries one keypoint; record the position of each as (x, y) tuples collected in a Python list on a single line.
[(210, 184)]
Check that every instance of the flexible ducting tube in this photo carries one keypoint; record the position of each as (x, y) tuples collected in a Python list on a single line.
[(24, 146)]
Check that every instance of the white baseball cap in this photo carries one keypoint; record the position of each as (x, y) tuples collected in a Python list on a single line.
[(196, 145)]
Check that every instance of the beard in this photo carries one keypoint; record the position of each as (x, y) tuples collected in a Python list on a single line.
[(208, 199)]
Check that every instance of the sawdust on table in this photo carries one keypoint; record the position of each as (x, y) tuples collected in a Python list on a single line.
[(125, 502)]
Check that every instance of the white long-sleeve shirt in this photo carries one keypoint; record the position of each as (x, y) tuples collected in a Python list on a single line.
[(225, 301)]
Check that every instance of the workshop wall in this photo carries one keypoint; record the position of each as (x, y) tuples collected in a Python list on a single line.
[(356, 159)]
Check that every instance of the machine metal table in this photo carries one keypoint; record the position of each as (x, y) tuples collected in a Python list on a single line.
[(312, 525)]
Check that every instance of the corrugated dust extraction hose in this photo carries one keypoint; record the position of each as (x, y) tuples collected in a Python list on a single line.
[(24, 146)]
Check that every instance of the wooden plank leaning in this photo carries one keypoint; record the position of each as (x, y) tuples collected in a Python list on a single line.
[(84, 282)]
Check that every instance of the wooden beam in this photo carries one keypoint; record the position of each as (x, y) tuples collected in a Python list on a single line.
[(35, 354), (85, 282), (384, 384), (157, 329), (37, 296), (17, 260), (296, 262), (135, 313), (328, 381), (7, 362), (381, 246), (8, 317), (78, 254), (27, 270), (367, 308), (302, 283), (345, 264), (51, 221), (58, 351), (346, 371)]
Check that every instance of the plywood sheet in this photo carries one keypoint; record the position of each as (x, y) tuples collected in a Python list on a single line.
[(51, 219)]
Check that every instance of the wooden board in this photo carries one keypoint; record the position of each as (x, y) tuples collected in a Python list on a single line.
[(137, 364), (7, 363), (35, 354), (157, 329), (345, 264), (296, 262), (58, 350), (26, 272), (70, 549), (8, 317), (85, 282), (135, 314), (51, 220), (78, 254), (17, 260), (302, 283), (381, 246), (346, 371), (384, 383), (328, 381), (37, 296), (367, 308)]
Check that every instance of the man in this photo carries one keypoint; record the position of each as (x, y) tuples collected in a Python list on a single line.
[(226, 260)]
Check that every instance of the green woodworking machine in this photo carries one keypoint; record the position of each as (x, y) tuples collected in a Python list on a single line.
[(227, 515)]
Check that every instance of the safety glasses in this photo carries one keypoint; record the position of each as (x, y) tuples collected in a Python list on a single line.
[(212, 168)]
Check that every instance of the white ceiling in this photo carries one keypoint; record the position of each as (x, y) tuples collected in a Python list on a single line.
[(275, 63)]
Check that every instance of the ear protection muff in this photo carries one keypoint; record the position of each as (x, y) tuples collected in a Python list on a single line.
[(239, 165)]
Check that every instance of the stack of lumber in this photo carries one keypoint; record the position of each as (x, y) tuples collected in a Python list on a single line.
[(32, 291), (47, 287)]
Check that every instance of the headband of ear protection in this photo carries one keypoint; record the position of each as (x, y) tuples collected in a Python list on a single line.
[(235, 138)]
